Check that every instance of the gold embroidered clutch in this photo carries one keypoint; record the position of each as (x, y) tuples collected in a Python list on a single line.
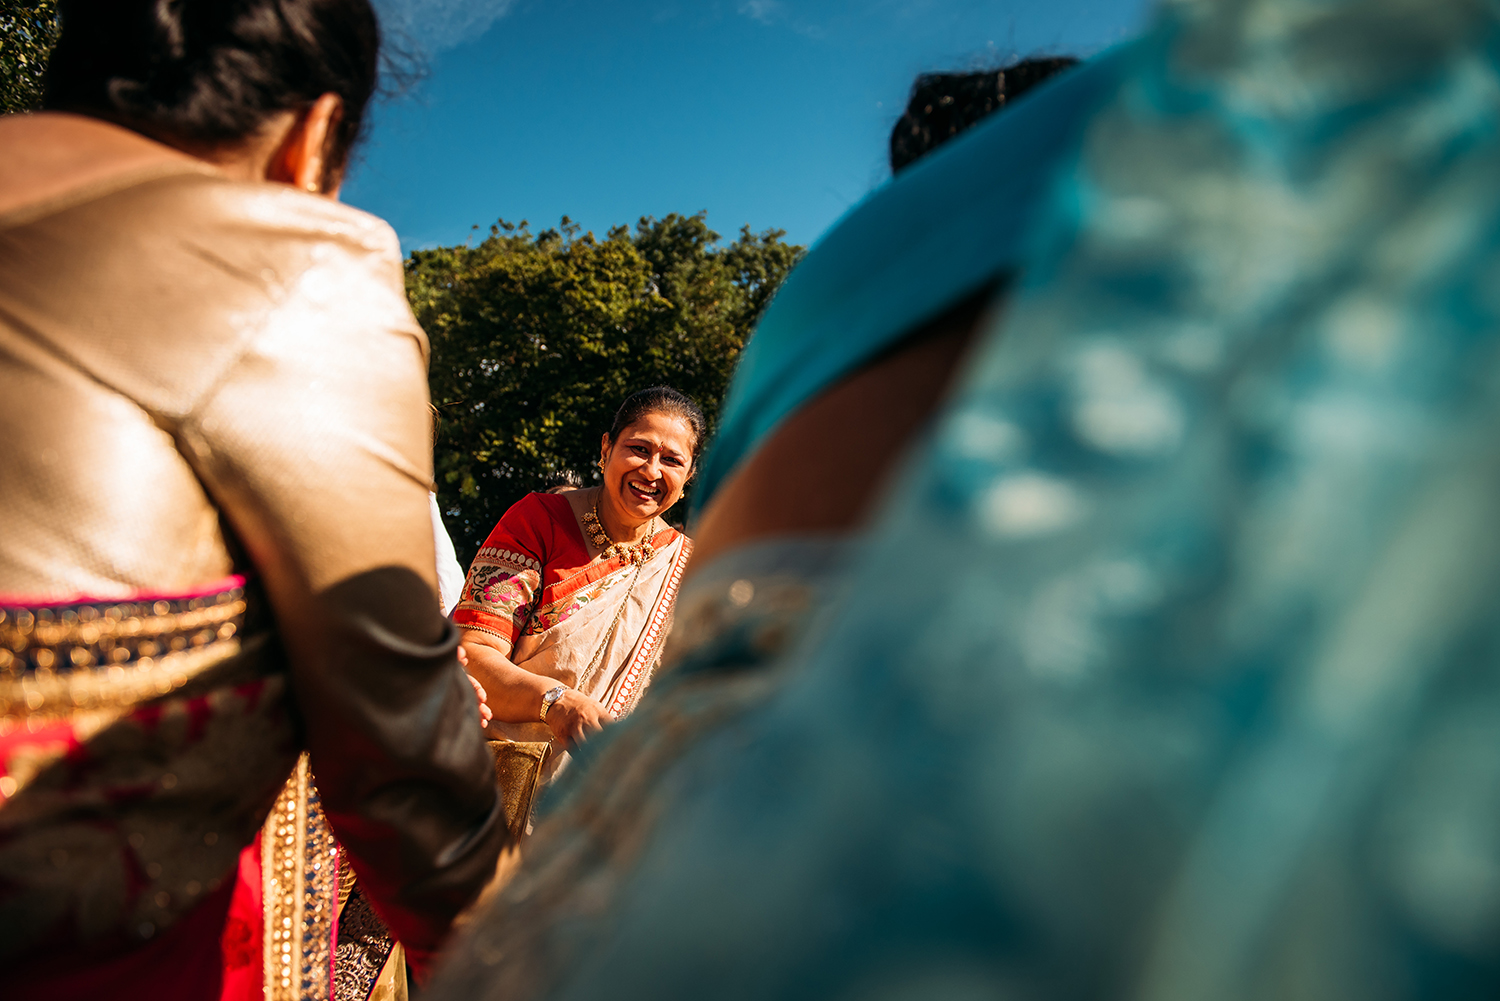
[(518, 770)]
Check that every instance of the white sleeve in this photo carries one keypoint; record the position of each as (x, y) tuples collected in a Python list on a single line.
[(449, 574)]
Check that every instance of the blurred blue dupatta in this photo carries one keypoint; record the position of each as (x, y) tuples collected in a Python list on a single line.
[(950, 225), (1172, 669)]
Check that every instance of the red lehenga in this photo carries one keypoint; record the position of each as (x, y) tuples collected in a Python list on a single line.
[(79, 678), (114, 719)]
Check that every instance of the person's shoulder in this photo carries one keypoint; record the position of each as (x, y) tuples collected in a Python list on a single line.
[(539, 523), (63, 161), (56, 161), (278, 220), (191, 271), (259, 230), (540, 512), (669, 535), (311, 264), (537, 501), (263, 237)]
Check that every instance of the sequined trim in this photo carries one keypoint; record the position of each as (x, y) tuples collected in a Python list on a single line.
[(300, 884), (59, 659), (638, 673)]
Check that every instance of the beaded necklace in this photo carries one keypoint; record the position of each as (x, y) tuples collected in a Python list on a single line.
[(637, 554)]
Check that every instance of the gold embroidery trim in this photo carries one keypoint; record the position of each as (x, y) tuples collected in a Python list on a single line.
[(299, 891), (632, 683), (111, 655), (87, 626), (53, 694)]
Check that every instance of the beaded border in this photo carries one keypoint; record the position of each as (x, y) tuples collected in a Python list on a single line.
[(638, 673), (299, 889), (60, 659)]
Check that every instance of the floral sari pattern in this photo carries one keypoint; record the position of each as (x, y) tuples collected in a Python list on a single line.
[(500, 592)]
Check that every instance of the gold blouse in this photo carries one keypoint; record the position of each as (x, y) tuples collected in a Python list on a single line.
[(203, 377)]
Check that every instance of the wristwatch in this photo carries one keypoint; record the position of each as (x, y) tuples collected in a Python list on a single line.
[(549, 699)]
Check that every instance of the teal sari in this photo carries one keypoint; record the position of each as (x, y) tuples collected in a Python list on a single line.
[(1171, 670)]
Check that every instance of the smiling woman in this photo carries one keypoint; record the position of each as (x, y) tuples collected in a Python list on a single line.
[(567, 602)]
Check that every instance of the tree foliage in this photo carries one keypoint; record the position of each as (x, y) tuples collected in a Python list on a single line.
[(28, 30), (536, 340)]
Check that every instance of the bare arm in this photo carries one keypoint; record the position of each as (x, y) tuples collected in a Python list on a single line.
[(515, 694)]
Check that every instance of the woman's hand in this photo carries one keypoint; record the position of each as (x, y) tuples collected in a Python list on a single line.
[(485, 715), (575, 717), (517, 693)]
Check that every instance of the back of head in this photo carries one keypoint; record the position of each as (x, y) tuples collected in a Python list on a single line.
[(944, 104), (212, 71), (562, 481)]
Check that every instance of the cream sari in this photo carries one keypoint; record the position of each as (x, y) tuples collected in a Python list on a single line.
[(595, 625)]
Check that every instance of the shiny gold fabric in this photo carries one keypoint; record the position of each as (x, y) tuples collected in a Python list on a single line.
[(204, 377), (189, 346)]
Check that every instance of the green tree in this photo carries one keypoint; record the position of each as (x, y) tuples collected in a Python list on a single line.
[(536, 340), (28, 29)]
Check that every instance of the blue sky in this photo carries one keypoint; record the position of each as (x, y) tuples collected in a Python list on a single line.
[(773, 113)]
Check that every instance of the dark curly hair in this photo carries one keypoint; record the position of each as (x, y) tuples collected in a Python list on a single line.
[(944, 104), (214, 70)]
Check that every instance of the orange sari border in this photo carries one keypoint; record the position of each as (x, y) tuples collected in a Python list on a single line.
[(595, 572), (638, 673)]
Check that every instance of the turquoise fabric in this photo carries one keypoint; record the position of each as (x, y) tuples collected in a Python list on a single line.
[(1171, 671), (945, 227)]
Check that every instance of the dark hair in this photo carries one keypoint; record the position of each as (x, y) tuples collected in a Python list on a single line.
[(661, 400), (562, 480), (944, 104), (214, 70)]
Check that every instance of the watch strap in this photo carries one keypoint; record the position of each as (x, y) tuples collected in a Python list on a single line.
[(549, 699)]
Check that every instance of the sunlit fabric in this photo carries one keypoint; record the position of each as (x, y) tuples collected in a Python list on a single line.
[(948, 226), (216, 554), (1172, 670)]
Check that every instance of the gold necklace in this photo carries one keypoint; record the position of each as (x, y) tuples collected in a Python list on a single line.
[(637, 554)]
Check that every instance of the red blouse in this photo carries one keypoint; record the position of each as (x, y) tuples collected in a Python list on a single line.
[(528, 567)]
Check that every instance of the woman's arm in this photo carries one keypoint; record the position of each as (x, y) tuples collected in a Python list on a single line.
[(514, 694), (315, 446)]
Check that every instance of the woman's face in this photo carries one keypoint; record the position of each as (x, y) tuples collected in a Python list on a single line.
[(646, 468)]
